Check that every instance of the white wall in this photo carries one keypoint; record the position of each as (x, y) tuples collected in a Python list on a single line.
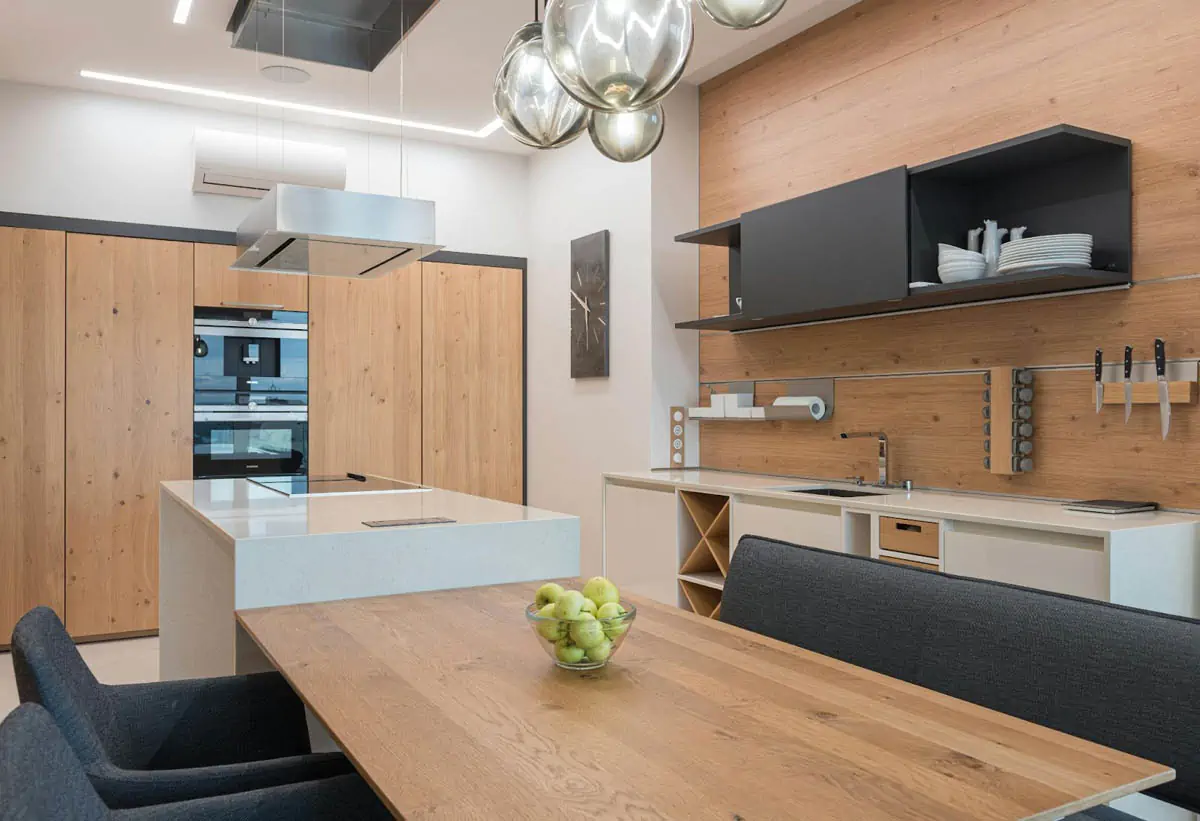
[(99, 156), (580, 428)]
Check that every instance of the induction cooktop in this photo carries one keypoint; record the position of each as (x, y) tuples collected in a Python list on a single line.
[(347, 483)]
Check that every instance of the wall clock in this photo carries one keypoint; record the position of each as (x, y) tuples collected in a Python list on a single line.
[(589, 306)]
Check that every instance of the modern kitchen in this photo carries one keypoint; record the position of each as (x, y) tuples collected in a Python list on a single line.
[(606, 409)]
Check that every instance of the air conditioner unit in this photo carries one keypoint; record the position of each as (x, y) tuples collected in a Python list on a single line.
[(247, 165)]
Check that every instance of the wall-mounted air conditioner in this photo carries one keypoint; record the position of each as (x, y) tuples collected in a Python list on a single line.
[(247, 165)]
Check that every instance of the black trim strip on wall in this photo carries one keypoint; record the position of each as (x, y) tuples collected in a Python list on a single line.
[(73, 225), (134, 230)]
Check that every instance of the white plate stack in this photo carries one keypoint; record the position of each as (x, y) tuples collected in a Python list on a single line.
[(1042, 253), (959, 264)]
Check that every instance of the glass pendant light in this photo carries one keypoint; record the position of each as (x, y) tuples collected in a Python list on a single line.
[(741, 14), (627, 136)]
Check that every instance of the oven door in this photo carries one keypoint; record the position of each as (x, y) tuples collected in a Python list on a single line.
[(236, 444)]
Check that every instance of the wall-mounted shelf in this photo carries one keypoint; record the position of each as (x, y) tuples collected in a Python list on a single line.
[(1009, 286), (1061, 179), (737, 403)]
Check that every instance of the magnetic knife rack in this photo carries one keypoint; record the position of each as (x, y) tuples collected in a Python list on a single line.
[(1183, 383)]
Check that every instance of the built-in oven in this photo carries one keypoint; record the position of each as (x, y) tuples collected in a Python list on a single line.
[(251, 393), (250, 443)]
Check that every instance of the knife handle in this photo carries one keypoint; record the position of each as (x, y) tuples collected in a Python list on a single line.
[(1128, 363), (1160, 358), (1099, 365)]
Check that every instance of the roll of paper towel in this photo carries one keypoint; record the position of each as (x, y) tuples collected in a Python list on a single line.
[(815, 404)]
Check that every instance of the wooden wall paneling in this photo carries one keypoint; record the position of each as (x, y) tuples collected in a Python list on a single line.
[(129, 421), (365, 375), (473, 380), (218, 286), (892, 82), (32, 422)]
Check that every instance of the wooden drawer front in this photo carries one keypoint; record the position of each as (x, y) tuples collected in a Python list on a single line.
[(907, 563), (789, 524), (909, 536)]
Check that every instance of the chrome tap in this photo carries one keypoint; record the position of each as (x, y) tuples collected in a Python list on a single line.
[(883, 450)]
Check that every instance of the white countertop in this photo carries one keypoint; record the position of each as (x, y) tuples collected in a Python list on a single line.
[(915, 504), (243, 510)]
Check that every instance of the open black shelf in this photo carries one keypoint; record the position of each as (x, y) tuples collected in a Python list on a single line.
[(1008, 286), (726, 234)]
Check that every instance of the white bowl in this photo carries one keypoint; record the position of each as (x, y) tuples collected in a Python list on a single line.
[(956, 273)]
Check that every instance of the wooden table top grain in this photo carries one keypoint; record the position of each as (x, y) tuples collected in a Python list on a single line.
[(448, 707)]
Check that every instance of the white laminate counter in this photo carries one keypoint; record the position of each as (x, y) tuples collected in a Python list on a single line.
[(1038, 515), (228, 544)]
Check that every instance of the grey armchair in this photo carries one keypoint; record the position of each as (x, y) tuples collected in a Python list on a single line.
[(146, 744), (41, 779)]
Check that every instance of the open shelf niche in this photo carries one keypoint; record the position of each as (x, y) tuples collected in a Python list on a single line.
[(704, 546)]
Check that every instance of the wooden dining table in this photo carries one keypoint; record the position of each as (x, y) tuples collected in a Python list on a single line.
[(450, 709)]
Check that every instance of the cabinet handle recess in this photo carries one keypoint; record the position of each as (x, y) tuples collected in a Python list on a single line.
[(269, 307), (908, 527)]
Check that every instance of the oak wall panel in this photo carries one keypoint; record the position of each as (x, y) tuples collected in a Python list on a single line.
[(903, 82)]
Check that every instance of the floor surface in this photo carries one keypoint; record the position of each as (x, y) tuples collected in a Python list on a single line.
[(130, 661)]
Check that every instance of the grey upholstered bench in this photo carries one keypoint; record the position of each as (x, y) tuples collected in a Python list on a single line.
[(1128, 679)]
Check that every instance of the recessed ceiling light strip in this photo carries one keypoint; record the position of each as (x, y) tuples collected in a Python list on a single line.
[(182, 11), (214, 94)]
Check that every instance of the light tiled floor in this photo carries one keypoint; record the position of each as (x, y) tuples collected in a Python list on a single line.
[(113, 662)]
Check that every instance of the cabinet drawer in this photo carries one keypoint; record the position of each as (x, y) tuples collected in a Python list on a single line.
[(1076, 566), (909, 536), (812, 527), (907, 563)]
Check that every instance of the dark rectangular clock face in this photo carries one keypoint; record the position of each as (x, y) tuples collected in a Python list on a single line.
[(589, 306)]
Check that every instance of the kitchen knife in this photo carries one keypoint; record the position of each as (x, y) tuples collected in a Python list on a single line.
[(1164, 394), (1128, 383), (1099, 379)]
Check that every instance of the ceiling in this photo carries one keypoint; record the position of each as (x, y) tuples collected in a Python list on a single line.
[(444, 67)]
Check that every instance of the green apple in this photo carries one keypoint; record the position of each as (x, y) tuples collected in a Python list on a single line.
[(601, 591), (610, 610), (587, 632), (568, 653), (600, 652), (589, 606), (548, 593), (569, 605), (551, 630)]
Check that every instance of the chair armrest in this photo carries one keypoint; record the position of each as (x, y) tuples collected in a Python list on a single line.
[(122, 789), (343, 797), (207, 722)]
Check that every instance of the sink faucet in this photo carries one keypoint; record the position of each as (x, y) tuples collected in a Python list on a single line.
[(883, 450)]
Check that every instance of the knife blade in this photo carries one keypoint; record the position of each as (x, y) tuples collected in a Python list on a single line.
[(1128, 382), (1164, 394), (1099, 379)]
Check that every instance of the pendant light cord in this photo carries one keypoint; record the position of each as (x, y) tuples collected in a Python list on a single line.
[(535, 12)]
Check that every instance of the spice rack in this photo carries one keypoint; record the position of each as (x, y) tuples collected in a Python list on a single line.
[(705, 528)]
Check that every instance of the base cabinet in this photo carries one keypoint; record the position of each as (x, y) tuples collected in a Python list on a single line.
[(815, 526), (1076, 566), (640, 541)]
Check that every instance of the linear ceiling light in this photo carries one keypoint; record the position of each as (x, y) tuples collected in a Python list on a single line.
[(479, 134), (182, 11)]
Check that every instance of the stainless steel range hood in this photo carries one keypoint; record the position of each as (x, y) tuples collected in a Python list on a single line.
[(297, 229)]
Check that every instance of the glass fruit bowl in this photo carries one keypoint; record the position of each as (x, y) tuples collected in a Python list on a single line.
[(586, 643)]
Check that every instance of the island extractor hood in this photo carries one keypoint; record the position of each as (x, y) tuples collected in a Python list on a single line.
[(297, 229)]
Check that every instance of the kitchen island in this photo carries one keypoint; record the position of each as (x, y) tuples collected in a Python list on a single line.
[(229, 544)]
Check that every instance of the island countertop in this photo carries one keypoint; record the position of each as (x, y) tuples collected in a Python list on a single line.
[(239, 509)]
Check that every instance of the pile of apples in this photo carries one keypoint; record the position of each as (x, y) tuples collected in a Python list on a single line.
[(581, 629)]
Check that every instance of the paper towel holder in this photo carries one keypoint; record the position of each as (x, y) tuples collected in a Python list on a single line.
[(743, 409)]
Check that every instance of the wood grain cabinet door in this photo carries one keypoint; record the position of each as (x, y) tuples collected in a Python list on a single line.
[(219, 287), (129, 421), (364, 369), (473, 377), (32, 419)]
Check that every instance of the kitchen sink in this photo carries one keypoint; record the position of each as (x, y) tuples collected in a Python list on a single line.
[(834, 491)]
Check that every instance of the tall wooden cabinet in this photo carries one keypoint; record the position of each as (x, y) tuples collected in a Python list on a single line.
[(128, 422), (32, 421), (419, 375), (364, 369), (473, 380)]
